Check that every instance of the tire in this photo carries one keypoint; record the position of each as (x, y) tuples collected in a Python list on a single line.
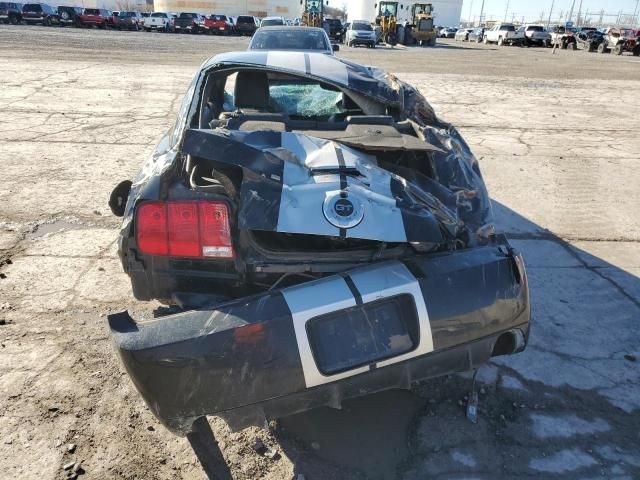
[(485, 41), (373, 45), (563, 45), (573, 46), (618, 49), (478, 40), (432, 42), (13, 19), (147, 29), (500, 41), (636, 51), (602, 48), (391, 39)]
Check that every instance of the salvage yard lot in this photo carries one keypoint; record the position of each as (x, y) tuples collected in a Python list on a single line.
[(557, 137)]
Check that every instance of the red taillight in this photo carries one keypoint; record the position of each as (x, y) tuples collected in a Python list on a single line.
[(215, 233), (184, 229), (152, 228)]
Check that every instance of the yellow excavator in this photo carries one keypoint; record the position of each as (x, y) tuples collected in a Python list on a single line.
[(312, 13), (387, 20), (420, 29)]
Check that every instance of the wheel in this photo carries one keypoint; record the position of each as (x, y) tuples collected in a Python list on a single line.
[(391, 39), (147, 29), (47, 22), (636, 51), (573, 46), (373, 45), (485, 41), (602, 48), (500, 41), (563, 46), (478, 40), (432, 42), (618, 49)]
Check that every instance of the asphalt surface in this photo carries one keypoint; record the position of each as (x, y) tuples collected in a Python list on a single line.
[(556, 135)]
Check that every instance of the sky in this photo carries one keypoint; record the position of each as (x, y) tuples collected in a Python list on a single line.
[(531, 10)]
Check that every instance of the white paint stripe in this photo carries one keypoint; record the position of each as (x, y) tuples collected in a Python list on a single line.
[(330, 294), (286, 60), (328, 67)]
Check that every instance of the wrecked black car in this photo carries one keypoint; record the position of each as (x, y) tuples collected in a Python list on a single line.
[(324, 235)]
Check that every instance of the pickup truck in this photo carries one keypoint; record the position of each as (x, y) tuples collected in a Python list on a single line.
[(504, 33), (218, 25), (189, 22), (534, 35), (160, 21), (97, 17)]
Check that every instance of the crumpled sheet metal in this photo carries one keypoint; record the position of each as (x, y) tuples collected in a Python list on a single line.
[(458, 187), (290, 178)]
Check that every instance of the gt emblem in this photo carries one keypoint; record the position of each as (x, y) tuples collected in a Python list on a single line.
[(343, 210), (343, 207)]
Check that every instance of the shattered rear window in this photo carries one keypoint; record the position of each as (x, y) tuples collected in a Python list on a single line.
[(302, 99)]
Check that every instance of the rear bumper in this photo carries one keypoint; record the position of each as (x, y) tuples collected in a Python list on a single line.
[(258, 358)]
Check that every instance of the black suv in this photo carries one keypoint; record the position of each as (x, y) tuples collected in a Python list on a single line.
[(246, 25), (335, 28), (69, 15), (40, 13), (11, 12)]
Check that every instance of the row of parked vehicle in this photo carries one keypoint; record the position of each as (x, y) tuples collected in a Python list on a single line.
[(589, 39), (44, 14)]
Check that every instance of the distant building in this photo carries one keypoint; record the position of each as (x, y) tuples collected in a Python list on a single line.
[(446, 12), (259, 8)]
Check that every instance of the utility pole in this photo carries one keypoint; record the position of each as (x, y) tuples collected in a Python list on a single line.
[(578, 17), (573, 4), (635, 12), (470, 8), (481, 12), (506, 11), (550, 12)]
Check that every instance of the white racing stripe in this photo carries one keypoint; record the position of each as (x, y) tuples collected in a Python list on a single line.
[(286, 60), (374, 282), (303, 195)]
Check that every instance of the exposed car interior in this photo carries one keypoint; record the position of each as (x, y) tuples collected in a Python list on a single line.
[(258, 99)]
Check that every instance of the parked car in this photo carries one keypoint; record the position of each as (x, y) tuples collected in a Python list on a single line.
[(189, 23), (129, 20), (448, 32), (97, 17), (33, 13), (334, 25), (477, 35), (504, 34), (218, 25), (159, 21), (11, 12), (462, 35), (360, 32), (534, 35), (292, 39), (562, 37), (272, 22), (589, 39), (325, 236), (246, 24), (70, 15), (619, 41)]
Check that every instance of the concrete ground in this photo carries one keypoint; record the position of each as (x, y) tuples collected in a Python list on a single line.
[(558, 140)]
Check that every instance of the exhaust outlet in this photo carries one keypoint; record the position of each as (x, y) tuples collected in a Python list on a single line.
[(509, 342)]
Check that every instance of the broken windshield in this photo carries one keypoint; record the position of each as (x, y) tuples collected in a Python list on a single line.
[(305, 99)]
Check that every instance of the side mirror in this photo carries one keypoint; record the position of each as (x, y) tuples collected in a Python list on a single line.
[(118, 198), (335, 47)]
